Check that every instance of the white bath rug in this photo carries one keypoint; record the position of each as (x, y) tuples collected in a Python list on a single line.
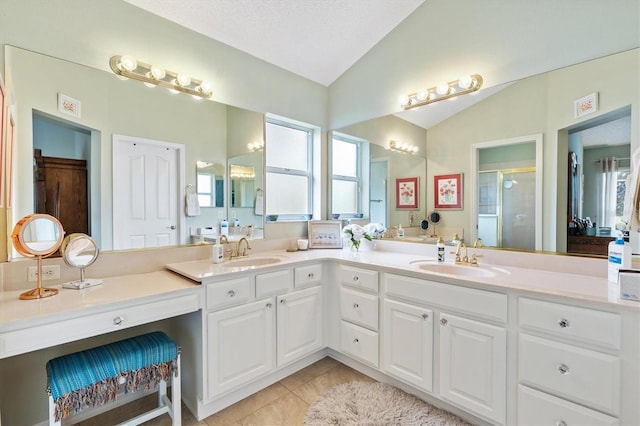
[(361, 403)]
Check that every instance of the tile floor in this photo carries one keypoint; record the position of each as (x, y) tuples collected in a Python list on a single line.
[(283, 403)]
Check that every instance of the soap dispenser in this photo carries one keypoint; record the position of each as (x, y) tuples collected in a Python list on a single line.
[(441, 249), (619, 257), (400, 231)]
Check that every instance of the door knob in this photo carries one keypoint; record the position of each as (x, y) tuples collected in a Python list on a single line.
[(171, 227)]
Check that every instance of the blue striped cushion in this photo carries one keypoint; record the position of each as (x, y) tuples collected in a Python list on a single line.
[(78, 370)]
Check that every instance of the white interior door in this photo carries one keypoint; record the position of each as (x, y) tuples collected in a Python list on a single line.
[(147, 187)]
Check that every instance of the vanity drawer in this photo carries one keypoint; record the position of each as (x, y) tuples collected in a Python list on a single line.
[(581, 375), (359, 308), (564, 321), (307, 275), (487, 304), (359, 343), (81, 327), (228, 292), (274, 283), (537, 408), (359, 278)]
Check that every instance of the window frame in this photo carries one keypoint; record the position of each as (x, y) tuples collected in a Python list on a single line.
[(308, 173), (358, 178)]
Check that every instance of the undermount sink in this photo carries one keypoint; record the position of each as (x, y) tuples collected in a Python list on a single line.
[(251, 262), (453, 269)]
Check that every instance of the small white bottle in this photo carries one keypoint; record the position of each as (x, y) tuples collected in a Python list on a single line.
[(224, 228), (217, 252), (619, 257), (400, 231), (237, 223), (441, 248)]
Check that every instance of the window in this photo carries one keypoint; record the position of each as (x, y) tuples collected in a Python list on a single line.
[(206, 189), (289, 176), (346, 182)]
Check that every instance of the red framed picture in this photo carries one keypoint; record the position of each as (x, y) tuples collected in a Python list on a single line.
[(407, 193), (447, 191)]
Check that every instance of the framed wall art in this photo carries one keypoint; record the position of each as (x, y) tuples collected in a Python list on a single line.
[(447, 191), (407, 193), (325, 234)]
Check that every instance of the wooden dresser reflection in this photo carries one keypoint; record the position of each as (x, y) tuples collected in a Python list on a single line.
[(584, 244)]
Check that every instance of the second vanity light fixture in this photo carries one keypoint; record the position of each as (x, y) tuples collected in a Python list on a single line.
[(256, 146), (405, 148), (152, 75), (462, 86)]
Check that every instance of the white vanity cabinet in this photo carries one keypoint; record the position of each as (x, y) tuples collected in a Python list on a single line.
[(569, 364), (471, 341), (407, 344), (257, 323), (359, 337)]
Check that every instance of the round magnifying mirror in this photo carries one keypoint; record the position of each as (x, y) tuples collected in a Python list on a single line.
[(424, 224), (79, 251), (38, 235), (434, 217)]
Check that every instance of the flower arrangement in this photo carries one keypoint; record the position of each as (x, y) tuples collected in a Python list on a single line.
[(355, 233), (375, 230)]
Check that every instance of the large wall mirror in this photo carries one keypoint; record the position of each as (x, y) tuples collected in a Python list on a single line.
[(208, 131), (538, 105)]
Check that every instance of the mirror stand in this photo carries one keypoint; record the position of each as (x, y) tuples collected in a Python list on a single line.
[(79, 251), (39, 292)]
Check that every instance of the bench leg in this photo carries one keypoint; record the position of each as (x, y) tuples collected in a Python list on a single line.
[(52, 410), (176, 397)]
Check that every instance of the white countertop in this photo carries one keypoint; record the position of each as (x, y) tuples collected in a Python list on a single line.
[(67, 303), (503, 278)]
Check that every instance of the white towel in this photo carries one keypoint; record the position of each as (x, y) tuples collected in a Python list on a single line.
[(632, 194), (259, 203), (192, 205)]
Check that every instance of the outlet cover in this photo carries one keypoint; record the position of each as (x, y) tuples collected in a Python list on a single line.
[(49, 272)]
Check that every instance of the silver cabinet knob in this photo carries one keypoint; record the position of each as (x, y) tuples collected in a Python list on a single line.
[(118, 320), (356, 341), (563, 368), (561, 423), (231, 293), (310, 275), (356, 306), (563, 323), (282, 301), (444, 321), (425, 316), (356, 278), (268, 305)]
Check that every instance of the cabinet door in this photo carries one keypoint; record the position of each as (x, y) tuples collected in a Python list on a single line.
[(241, 345), (300, 324), (473, 366), (407, 343)]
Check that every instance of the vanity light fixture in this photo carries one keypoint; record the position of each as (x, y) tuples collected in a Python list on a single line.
[(462, 86), (256, 146), (405, 148), (152, 75)]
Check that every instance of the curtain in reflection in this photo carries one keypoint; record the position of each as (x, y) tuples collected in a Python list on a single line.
[(607, 192)]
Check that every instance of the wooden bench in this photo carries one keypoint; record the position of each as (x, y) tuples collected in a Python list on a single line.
[(94, 377)]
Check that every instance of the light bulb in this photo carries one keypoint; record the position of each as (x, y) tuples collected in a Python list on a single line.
[(404, 101), (442, 89), (128, 63), (466, 82), (422, 95), (157, 73), (183, 80), (205, 88)]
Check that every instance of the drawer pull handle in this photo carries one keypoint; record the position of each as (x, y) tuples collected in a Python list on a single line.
[(356, 341), (310, 275), (232, 293), (563, 368), (563, 323), (268, 305), (356, 306), (118, 320), (425, 316), (561, 423), (444, 321), (356, 278)]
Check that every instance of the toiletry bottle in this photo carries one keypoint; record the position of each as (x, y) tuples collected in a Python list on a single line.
[(440, 247), (400, 231), (224, 228), (237, 223), (217, 252), (619, 256)]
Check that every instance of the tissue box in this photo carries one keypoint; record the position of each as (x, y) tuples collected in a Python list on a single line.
[(629, 280)]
